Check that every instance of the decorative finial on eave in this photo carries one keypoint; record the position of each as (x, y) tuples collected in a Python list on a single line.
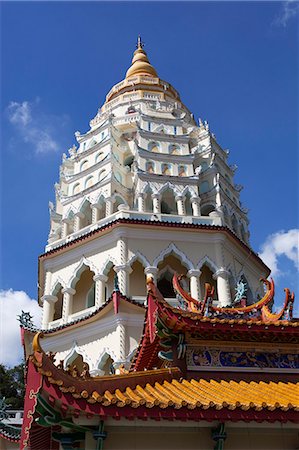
[(139, 44)]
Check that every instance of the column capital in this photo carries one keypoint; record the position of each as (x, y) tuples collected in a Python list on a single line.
[(49, 298), (110, 199), (150, 270), (68, 290), (124, 267), (100, 277), (179, 197), (79, 214), (158, 196), (140, 194), (222, 272), (196, 200), (194, 273)]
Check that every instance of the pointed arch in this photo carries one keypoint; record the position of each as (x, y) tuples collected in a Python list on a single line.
[(108, 264), (84, 262), (70, 213), (169, 186), (208, 262), (103, 358), (173, 249), (55, 286), (139, 257), (74, 353)]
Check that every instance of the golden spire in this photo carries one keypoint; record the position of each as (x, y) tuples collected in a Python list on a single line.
[(140, 63)]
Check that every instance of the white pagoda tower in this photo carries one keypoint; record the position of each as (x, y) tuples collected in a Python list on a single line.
[(146, 192)]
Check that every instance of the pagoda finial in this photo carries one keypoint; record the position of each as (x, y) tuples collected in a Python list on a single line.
[(140, 64), (139, 44)]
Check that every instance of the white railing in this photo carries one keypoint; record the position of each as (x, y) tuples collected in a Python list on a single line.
[(136, 215), (15, 417), (130, 118)]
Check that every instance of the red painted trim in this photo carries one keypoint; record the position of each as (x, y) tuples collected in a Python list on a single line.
[(34, 384), (157, 224)]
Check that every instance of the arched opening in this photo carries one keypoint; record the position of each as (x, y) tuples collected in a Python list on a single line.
[(248, 292), (150, 167), (154, 147), (207, 277), (99, 157), (102, 175), (83, 165), (188, 205), (166, 169), (182, 171), (128, 161), (204, 187), (168, 203), (118, 201), (85, 291), (76, 188), (106, 365), (76, 365), (174, 149), (148, 201), (137, 280), (207, 209), (58, 305), (89, 182), (86, 211), (170, 265), (101, 208)]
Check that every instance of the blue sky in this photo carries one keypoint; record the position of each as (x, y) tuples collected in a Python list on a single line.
[(235, 64)]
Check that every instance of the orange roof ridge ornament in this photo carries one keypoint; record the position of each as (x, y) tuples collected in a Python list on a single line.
[(140, 63)]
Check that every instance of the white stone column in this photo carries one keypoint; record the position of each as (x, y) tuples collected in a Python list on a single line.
[(195, 201), (68, 294), (194, 284), (48, 310), (100, 283), (77, 221), (140, 200), (180, 205), (109, 206), (218, 197), (223, 290), (94, 213), (151, 272), (121, 332), (156, 203), (123, 272)]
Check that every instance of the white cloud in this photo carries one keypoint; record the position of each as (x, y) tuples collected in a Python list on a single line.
[(283, 243), (35, 127), (11, 305), (289, 10)]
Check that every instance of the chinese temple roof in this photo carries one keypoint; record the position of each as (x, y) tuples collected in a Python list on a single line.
[(10, 433), (163, 390)]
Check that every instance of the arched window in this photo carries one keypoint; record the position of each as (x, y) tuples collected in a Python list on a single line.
[(101, 208), (166, 169), (83, 165), (76, 189), (207, 209), (188, 206), (58, 305), (204, 187), (154, 147), (168, 203), (118, 201), (128, 161), (150, 167), (99, 157), (170, 265), (137, 280), (174, 149), (207, 277), (85, 294), (102, 175), (89, 182), (182, 171), (148, 201), (86, 211)]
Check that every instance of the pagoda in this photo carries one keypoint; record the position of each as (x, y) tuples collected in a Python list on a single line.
[(158, 328)]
